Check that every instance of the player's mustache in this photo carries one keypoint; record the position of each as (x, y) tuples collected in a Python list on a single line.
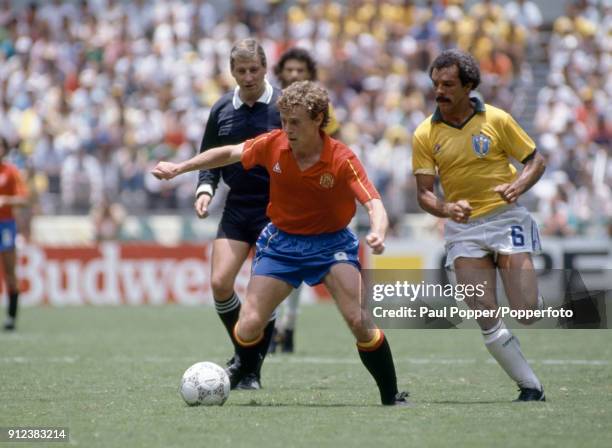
[(442, 99)]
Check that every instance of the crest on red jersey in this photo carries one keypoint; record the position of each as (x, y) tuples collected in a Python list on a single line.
[(327, 180)]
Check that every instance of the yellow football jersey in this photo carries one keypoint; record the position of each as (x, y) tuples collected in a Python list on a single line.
[(473, 159), (332, 125)]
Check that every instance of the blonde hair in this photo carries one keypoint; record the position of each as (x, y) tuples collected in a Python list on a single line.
[(308, 95), (247, 49)]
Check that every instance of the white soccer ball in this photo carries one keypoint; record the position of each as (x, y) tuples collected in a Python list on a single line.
[(205, 383)]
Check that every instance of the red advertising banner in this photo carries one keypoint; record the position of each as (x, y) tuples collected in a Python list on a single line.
[(118, 274)]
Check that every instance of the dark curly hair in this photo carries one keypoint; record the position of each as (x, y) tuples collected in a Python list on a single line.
[(469, 71), (299, 54)]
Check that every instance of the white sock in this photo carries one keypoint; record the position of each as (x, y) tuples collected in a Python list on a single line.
[(273, 315), (290, 310), (506, 350), (541, 304)]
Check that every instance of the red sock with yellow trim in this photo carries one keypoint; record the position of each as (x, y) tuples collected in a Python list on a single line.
[(377, 358)]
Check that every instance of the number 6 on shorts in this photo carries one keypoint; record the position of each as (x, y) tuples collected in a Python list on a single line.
[(518, 239)]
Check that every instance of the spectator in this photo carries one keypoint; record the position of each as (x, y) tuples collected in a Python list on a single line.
[(81, 182), (108, 218), (145, 73), (525, 13)]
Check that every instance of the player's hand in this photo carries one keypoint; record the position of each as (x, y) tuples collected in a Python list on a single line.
[(508, 192), (459, 211), (376, 242), (165, 170), (201, 205)]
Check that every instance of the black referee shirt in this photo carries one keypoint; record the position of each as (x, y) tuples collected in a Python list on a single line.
[(229, 126)]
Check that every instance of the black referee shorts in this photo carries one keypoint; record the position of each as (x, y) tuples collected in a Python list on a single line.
[(242, 223)]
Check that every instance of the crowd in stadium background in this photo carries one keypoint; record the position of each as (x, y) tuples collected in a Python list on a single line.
[(94, 92)]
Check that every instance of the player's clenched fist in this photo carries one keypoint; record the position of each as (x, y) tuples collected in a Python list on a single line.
[(165, 170), (459, 211), (376, 242)]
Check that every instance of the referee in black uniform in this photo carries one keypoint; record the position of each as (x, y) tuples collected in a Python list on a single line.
[(248, 111)]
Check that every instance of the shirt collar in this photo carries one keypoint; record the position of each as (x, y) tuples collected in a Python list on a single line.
[(479, 107), (265, 97)]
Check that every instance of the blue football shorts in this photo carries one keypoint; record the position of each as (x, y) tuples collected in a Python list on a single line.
[(8, 233), (303, 258)]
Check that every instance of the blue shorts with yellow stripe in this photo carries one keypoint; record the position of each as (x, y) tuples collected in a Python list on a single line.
[(303, 258)]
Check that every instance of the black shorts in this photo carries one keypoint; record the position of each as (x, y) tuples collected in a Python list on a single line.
[(242, 223)]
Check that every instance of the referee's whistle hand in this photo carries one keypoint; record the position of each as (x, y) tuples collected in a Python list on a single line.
[(165, 170), (376, 243)]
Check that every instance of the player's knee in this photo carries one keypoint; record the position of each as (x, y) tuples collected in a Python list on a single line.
[(252, 323), (222, 287)]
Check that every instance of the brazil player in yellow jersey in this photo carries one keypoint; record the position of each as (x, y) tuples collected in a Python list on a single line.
[(469, 145)]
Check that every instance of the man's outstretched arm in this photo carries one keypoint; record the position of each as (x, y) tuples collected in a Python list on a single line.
[(213, 158)]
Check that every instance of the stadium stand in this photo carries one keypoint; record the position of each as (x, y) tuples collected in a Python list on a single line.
[(94, 93)]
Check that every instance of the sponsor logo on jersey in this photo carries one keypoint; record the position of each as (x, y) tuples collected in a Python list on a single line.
[(277, 168)]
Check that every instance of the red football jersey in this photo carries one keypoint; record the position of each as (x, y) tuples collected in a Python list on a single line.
[(11, 184), (320, 199)]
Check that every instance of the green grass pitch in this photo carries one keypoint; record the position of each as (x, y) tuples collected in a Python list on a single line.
[(111, 376)]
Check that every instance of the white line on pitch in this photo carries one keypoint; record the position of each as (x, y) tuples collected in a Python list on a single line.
[(28, 360)]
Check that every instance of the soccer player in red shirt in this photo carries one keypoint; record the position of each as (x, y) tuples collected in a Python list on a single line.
[(12, 193), (314, 181), (295, 64)]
